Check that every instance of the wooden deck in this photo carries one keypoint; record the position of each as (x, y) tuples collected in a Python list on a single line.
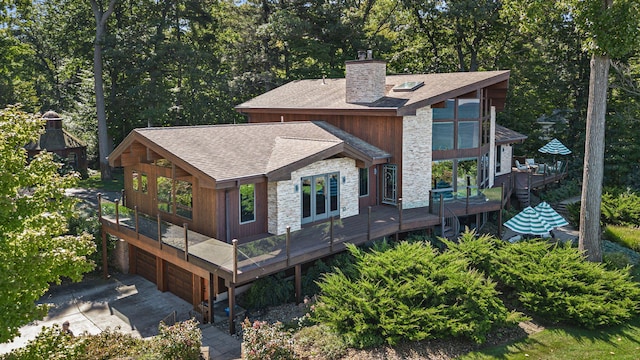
[(256, 257)]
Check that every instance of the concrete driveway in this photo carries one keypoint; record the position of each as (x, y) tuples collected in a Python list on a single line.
[(129, 303)]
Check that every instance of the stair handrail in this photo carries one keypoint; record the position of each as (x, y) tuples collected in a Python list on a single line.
[(452, 221)]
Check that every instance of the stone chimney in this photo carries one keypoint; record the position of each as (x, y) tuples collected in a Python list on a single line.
[(365, 79)]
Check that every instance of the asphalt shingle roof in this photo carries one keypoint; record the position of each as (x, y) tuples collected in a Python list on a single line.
[(228, 152)]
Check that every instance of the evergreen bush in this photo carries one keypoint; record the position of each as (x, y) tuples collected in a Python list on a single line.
[(268, 291), (410, 292), (556, 282)]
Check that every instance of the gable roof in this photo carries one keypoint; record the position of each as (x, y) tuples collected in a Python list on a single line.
[(328, 95), (231, 153)]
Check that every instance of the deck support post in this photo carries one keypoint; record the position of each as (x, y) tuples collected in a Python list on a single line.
[(186, 241), (468, 196), (399, 217), (99, 206), (288, 245), (235, 259), (135, 210), (369, 225), (500, 212), (117, 202), (331, 235), (159, 231), (210, 297), (105, 269), (298, 283), (441, 214), (232, 304)]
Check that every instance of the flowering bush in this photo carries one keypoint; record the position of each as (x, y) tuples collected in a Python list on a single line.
[(180, 341), (261, 340)]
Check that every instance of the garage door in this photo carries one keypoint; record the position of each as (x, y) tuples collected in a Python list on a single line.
[(146, 265), (179, 282)]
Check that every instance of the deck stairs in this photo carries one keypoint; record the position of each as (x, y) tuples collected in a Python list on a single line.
[(450, 227)]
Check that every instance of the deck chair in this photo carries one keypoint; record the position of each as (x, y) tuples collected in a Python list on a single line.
[(520, 166), (530, 162)]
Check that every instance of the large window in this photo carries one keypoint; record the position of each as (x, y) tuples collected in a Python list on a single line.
[(468, 108), (364, 182), (175, 197), (139, 181), (184, 199), (247, 203), (445, 112), (165, 191), (442, 135), (468, 135)]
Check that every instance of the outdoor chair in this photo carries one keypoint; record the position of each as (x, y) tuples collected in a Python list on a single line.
[(530, 162), (521, 166)]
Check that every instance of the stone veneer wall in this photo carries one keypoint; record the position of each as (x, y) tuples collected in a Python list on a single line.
[(121, 256), (284, 208), (416, 158), (365, 80)]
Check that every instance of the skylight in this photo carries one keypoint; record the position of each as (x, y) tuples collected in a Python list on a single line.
[(408, 86)]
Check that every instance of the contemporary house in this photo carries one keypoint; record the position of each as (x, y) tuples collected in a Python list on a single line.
[(319, 164), (57, 140)]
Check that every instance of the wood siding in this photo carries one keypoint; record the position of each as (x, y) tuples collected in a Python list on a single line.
[(385, 132), (231, 198)]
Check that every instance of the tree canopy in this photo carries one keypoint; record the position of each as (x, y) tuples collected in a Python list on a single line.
[(34, 250)]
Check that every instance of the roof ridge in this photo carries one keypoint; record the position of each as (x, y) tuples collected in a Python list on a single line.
[(337, 140)]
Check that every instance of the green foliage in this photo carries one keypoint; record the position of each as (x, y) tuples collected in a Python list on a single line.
[(623, 235), (479, 250), (320, 340), (180, 341), (409, 292), (615, 260), (556, 282), (51, 343), (34, 212), (268, 291), (261, 340), (620, 207), (95, 182), (566, 190)]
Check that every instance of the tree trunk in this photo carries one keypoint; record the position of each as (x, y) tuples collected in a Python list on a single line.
[(104, 142), (590, 233)]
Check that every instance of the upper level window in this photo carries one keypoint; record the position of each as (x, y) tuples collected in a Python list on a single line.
[(445, 112), (175, 197), (442, 136), (364, 181), (247, 203), (468, 108), (468, 134)]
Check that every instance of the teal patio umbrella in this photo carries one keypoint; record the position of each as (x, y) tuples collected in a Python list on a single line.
[(529, 221), (555, 147), (548, 214)]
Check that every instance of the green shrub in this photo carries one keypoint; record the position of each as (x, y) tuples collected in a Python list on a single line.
[(180, 341), (556, 282), (110, 344), (620, 207), (269, 291), (410, 292), (564, 191), (320, 340), (623, 235), (478, 250), (615, 260), (261, 340), (51, 343)]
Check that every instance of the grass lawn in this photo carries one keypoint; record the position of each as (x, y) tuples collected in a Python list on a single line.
[(620, 342), (94, 182)]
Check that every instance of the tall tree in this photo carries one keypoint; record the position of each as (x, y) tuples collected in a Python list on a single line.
[(104, 142), (34, 252), (610, 30)]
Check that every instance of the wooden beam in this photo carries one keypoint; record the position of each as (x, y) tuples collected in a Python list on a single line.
[(232, 304), (298, 283), (160, 278), (105, 264)]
